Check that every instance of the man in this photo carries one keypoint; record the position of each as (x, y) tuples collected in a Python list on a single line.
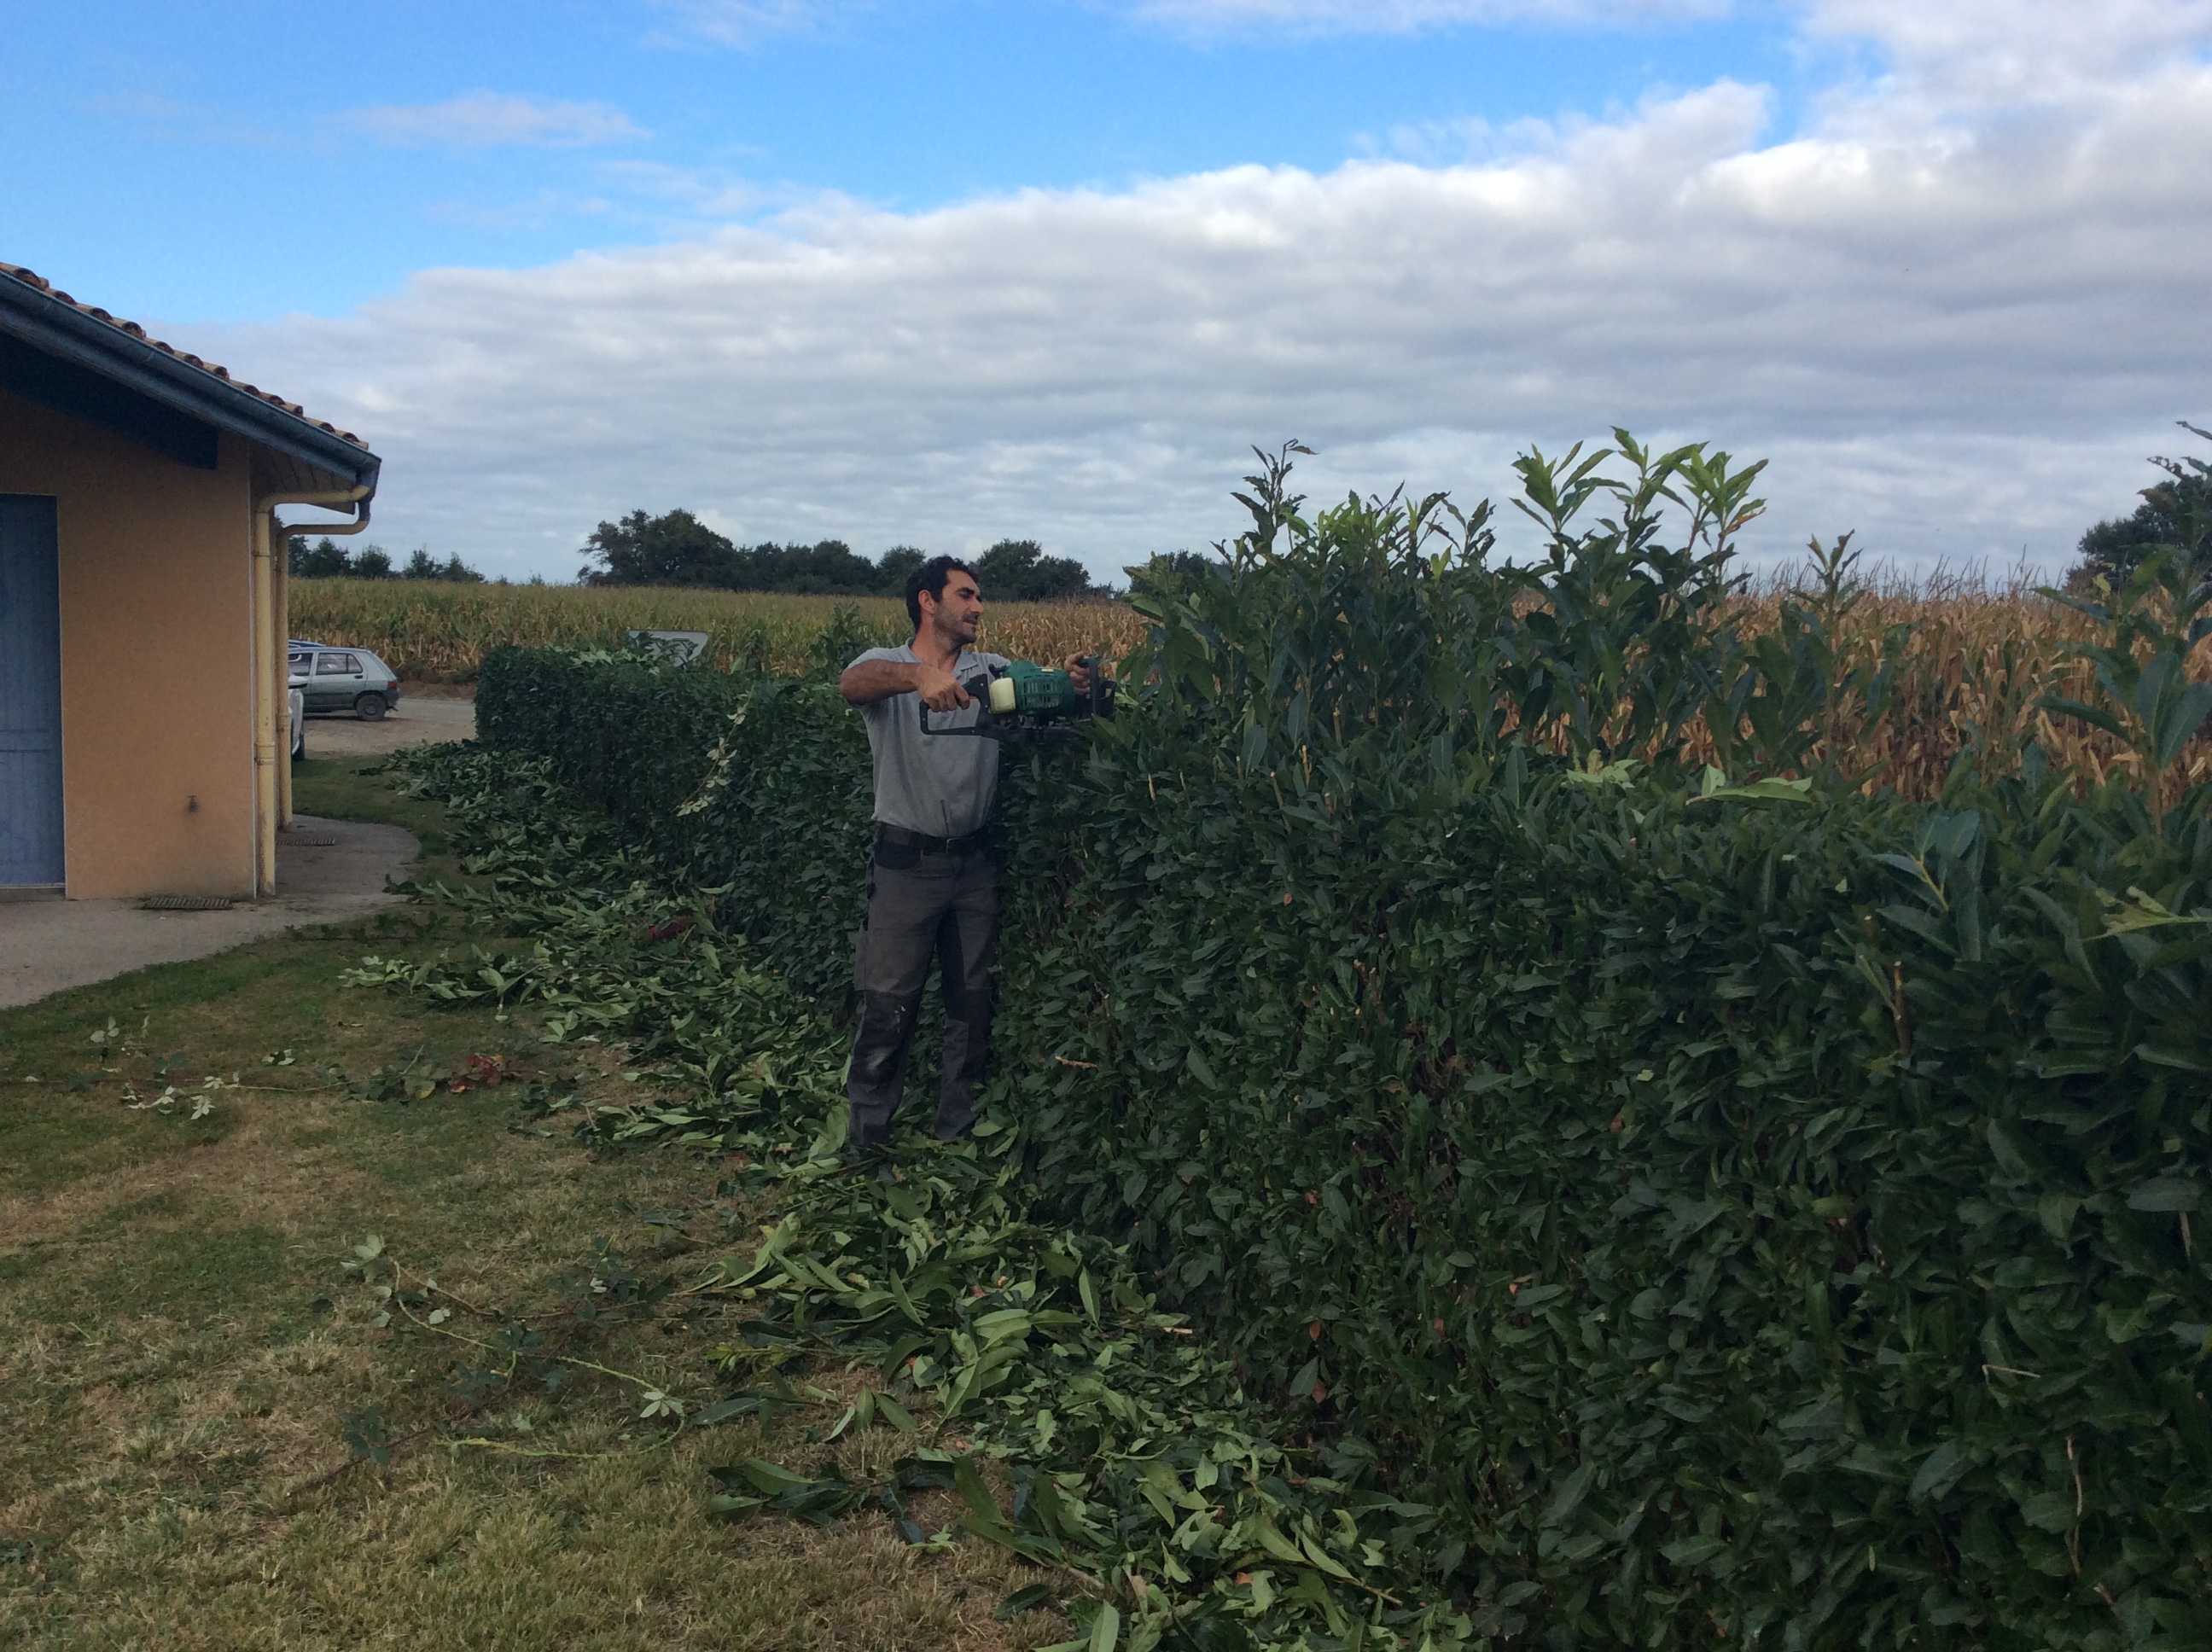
[(932, 881)]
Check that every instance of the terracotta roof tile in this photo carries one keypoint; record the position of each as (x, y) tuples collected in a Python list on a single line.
[(33, 278)]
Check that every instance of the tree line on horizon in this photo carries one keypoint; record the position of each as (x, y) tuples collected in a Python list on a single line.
[(677, 549), (326, 559)]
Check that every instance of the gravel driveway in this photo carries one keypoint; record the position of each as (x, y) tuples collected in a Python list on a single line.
[(419, 719)]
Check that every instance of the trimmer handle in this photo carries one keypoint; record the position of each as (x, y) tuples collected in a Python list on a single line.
[(978, 685), (1102, 687)]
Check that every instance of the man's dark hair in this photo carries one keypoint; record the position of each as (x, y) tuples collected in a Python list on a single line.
[(931, 576)]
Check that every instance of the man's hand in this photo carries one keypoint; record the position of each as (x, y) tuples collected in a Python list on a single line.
[(940, 690), (1078, 668)]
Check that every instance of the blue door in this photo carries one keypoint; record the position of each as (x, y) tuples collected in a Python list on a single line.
[(30, 691)]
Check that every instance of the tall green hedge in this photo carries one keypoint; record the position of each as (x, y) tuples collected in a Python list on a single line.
[(1751, 1214)]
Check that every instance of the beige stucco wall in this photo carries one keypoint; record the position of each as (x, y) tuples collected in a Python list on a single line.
[(157, 638)]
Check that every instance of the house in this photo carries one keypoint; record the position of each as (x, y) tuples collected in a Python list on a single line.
[(143, 697)]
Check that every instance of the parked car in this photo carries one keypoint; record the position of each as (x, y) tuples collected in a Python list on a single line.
[(344, 679), (296, 704)]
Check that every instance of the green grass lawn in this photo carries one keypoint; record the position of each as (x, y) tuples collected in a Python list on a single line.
[(179, 1341), (353, 788)]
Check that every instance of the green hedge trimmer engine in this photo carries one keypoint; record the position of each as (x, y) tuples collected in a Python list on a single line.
[(1037, 703)]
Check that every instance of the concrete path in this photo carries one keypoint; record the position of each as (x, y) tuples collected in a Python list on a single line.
[(435, 714), (47, 946)]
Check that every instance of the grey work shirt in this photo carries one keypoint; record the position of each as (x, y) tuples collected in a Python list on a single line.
[(941, 785)]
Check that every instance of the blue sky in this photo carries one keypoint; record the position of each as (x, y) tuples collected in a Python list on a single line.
[(170, 137), (936, 272)]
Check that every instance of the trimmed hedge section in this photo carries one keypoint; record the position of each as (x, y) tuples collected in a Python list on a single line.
[(1749, 1218)]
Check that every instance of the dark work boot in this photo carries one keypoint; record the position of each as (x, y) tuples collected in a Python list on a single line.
[(866, 1160)]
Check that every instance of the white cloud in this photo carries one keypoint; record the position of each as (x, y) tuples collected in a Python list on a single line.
[(694, 192), (1982, 53), (747, 22), (488, 119), (1988, 51), (1408, 16), (1958, 336), (176, 121)]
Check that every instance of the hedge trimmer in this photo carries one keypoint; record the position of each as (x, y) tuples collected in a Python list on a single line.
[(1039, 704)]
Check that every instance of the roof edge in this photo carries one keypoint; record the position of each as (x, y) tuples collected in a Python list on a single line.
[(54, 322)]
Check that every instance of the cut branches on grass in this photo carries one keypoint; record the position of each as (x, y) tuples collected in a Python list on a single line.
[(184, 1359), (1132, 1449)]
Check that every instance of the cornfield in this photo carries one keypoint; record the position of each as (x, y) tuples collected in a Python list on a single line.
[(430, 631), (1968, 661), (1970, 664)]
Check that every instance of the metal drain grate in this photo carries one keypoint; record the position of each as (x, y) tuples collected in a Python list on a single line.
[(288, 841), (186, 904)]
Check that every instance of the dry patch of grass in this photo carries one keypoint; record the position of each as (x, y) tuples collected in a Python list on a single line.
[(178, 1343)]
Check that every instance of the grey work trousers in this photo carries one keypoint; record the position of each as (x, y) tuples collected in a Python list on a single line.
[(920, 906)]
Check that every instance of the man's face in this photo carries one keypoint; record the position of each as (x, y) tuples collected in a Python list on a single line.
[(957, 611)]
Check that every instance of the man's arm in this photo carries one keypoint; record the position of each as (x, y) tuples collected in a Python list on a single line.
[(866, 681)]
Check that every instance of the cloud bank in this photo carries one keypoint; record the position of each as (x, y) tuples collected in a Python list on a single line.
[(1954, 324)]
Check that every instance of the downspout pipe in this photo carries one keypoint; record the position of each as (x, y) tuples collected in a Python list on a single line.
[(280, 538), (269, 676), (358, 497)]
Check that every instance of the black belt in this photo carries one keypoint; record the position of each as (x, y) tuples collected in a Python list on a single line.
[(900, 838)]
